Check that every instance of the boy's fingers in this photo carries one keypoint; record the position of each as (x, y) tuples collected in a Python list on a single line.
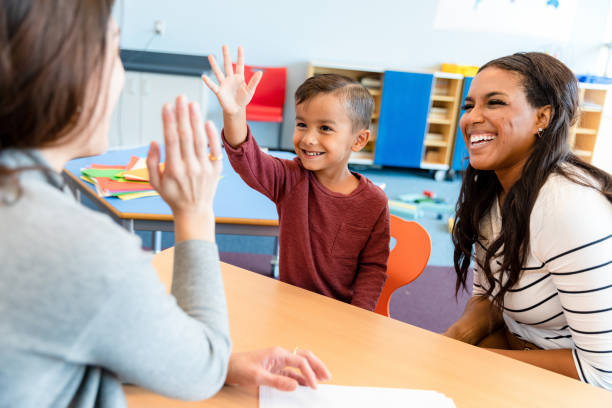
[(240, 63), (210, 84), (195, 117), (254, 82), (227, 61), (170, 136), (153, 165), (215, 68)]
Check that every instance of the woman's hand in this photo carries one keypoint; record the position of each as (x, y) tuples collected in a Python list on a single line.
[(274, 367), (454, 333), (479, 319), (233, 92), (190, 176)]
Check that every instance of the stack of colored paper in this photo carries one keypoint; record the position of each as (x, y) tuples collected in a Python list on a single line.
[(123, 181)]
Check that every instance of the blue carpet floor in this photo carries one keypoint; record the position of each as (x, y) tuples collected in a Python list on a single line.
[(400, 181)]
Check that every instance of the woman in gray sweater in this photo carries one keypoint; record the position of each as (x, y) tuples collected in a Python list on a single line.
[(81, 304)]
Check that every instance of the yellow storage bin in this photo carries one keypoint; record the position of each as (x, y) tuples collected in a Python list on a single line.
[(465, 70), (452, 68)]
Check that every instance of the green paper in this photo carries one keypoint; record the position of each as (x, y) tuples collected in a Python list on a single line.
[(93, 173)]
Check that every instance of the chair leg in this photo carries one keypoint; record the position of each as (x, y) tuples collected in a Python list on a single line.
[(274, 260)]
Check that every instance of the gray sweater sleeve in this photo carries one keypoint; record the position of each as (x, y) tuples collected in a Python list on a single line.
[(81, 305), (146, 338)]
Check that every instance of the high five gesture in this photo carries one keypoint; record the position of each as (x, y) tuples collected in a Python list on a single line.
[(233, 93)]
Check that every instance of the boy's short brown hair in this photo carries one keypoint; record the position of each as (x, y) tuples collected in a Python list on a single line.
[(359, 103)]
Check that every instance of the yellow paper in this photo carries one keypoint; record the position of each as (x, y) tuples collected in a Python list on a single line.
[(136, 175), (139, 174), (87, 179), (140, 194)]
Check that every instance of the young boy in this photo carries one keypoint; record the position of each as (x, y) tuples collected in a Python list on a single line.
[(334, 223)]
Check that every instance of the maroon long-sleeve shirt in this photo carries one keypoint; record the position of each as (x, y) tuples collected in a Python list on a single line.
[(330, 243)]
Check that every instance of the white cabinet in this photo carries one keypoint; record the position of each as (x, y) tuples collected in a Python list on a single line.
[(137, 116), (125, 123)]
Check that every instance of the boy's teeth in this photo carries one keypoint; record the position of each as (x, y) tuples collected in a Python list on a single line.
[(313, 153), (481, 138)]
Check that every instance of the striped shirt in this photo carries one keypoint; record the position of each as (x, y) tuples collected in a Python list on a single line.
[(563, 299)]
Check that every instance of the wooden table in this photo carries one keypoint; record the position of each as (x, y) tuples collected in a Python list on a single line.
[(366, 349)]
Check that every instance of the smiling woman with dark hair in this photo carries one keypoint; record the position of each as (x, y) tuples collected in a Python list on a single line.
[(81, 304), (538, 221)]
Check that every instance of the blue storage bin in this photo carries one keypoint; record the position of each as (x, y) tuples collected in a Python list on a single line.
[(594, 79)]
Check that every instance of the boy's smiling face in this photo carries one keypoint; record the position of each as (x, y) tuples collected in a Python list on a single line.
[(324, 136)]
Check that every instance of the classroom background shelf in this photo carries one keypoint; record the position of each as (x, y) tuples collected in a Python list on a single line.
[(418, 119), (584, 134), (442, 120), (414, 119)]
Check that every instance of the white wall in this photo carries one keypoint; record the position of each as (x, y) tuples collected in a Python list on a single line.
[(384, 33)]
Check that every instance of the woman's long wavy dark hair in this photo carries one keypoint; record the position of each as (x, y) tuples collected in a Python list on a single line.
[(49, 52), (546, 81)]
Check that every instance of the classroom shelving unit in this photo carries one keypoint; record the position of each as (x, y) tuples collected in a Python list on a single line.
[(372, 79), (583, 135), (442, 121), (418, 120), (415, 116)]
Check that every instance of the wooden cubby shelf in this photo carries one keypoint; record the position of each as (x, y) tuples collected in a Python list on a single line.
[(415, 115), (583, 135), (437, 143), (441, 121), (442, 98), (585, 131)]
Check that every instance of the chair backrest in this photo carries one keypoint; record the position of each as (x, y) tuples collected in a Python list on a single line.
[(269, 98), (407, 259)]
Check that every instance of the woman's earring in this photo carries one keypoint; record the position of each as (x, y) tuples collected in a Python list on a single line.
[(540, 132)]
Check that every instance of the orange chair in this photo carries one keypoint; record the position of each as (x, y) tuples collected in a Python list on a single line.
[(407, 259), (269, 98)]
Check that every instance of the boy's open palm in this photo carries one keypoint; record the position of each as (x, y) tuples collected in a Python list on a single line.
[(233, 92)]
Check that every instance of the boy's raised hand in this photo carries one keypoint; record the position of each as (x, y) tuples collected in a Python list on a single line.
[(233, 92)]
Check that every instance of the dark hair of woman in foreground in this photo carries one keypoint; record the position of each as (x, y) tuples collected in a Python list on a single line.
[(46, 73)]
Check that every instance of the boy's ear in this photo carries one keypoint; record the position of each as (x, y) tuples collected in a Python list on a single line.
[(361, 140)]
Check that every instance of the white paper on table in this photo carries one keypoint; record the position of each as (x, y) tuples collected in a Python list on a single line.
[(332, 396)]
